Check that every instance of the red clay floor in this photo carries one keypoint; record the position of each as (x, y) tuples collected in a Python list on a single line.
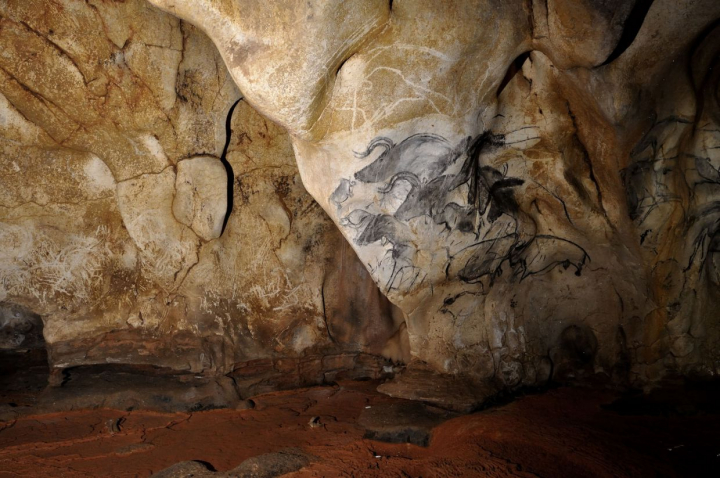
[(561, 433)]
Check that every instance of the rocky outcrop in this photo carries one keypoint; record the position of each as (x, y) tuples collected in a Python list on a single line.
[(147, 222), (530, 182)]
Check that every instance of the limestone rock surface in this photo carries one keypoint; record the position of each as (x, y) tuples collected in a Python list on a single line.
[(530, 182), (200, 200), (114, 118), (509, 191)]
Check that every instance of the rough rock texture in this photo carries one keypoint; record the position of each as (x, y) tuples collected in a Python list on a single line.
[(20, 329), (420, 382), (271, 465), (402, 422), (186, 469), (268, 465), (114, 122), (532, 183)]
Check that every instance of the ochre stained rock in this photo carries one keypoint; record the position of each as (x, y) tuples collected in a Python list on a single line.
[(113, 196)]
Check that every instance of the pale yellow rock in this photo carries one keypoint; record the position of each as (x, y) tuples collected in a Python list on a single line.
[(296, 64), (167, 248), (201, 195), (112, 197)]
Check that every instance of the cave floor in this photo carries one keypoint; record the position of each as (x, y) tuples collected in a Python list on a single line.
[(563, 432)]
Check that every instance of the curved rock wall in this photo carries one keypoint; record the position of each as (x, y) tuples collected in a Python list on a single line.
[(531, 182), (113, 197)]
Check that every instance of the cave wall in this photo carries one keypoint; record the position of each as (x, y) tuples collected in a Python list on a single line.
[(530, 182), (529, 185), (113, 118)]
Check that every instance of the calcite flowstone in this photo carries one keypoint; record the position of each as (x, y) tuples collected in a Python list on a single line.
[(530, 182)]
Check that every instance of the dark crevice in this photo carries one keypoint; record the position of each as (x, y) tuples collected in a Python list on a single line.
[(228, 167), (324, 311), (514, 68), (391, 5), (531, 17), (631, 29), (24, 367), (337, 72), (702, 84), (207, 465)]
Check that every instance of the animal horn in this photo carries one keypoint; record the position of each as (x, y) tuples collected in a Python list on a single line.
[(380, 142), (401, 176)]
